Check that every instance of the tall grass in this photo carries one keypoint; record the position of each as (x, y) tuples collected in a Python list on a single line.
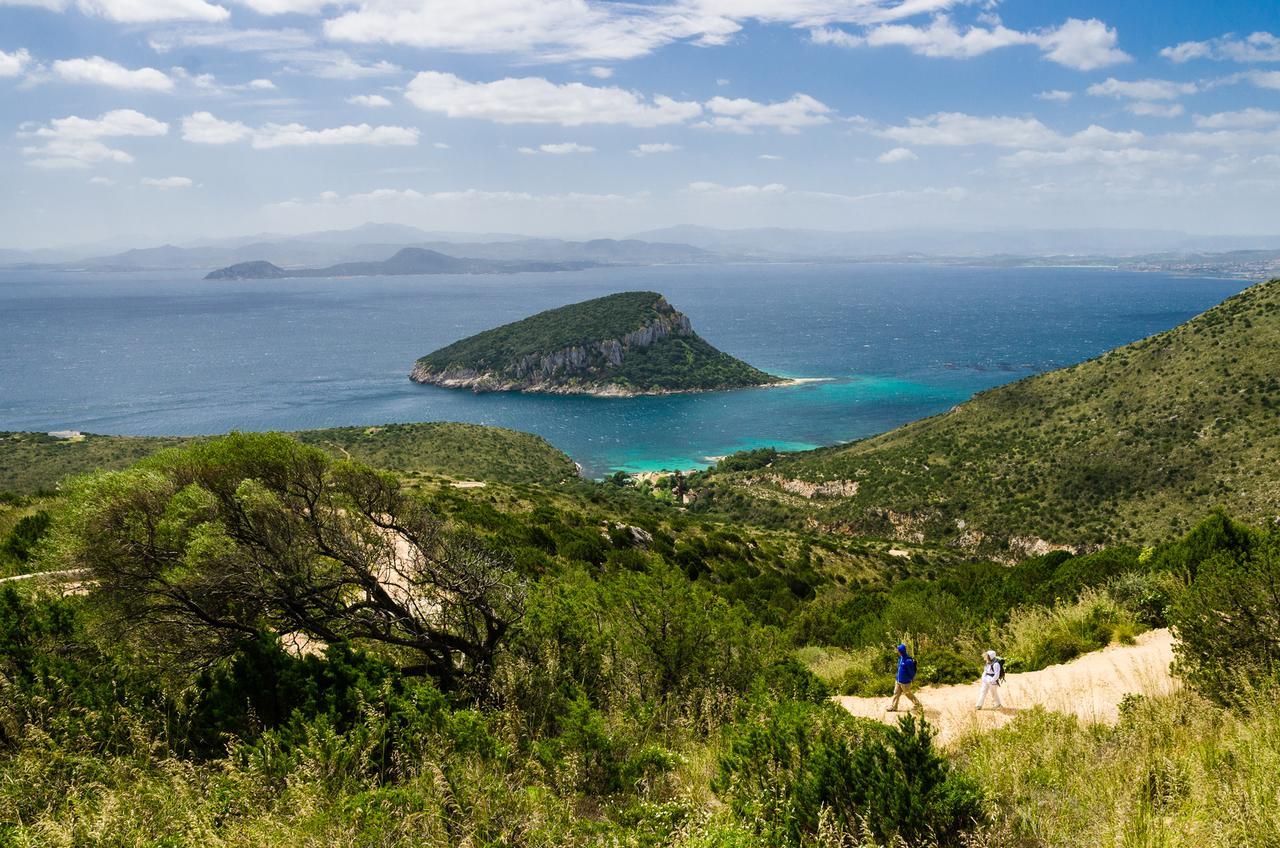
[(1035, 637), (1176, 772)]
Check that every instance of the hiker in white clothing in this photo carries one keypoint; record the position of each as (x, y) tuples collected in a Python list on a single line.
[(992, 673)]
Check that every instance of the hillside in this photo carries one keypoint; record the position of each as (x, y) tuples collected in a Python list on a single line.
[(1132, 445), (622, 344), (32, 462), (408, 260)]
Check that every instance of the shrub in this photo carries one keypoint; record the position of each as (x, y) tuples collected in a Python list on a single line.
[(1036, 637), (797, 766), (1228, 618)]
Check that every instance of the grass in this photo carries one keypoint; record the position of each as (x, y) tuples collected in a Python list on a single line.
[(1177, 772), (35, 462)]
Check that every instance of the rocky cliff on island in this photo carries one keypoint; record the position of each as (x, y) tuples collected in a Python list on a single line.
[(625, 344)]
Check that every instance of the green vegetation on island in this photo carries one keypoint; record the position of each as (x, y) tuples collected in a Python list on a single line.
[(621, 344), (1136, 444)]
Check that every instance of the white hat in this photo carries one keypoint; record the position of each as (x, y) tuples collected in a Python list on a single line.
[(991, 655)]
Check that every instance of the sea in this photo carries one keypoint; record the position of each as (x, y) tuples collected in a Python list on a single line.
[(877, 345)]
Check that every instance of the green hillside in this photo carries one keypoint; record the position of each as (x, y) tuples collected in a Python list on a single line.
[(627, 343), (1132, 445), (32, 462)]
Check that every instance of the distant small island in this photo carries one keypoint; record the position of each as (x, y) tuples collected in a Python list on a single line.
[(633, 343), (410, 260)]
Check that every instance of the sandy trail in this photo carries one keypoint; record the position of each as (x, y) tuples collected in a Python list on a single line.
[(1089, 687)]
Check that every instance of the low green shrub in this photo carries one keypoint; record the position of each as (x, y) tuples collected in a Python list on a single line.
[(796, 767)]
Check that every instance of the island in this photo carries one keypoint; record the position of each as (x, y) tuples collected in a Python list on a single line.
[(621, 345), (410, 260)]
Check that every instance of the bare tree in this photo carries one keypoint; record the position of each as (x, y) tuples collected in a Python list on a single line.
[(200, 549)]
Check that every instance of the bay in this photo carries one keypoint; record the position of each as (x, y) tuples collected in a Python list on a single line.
[(169, 353)]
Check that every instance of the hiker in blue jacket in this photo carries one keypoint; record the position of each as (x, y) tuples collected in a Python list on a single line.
[(905, 680)]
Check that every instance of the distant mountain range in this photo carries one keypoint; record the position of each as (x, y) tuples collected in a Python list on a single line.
[(406, 261), (322, 249), (775, 243), (681, 244)]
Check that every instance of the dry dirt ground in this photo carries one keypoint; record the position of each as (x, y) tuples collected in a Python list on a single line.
[(1089, 687)]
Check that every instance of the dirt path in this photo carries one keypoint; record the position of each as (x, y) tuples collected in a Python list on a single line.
[(1090, 687)]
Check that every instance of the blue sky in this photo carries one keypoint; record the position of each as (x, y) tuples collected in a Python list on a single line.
[(155, 120)]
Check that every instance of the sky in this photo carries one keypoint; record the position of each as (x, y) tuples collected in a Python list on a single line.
[(161, 120)]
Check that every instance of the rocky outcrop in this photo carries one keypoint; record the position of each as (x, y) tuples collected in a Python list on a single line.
[(565, 371), (805, 489)]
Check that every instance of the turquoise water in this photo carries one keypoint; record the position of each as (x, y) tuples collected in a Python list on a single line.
[(165, 353)]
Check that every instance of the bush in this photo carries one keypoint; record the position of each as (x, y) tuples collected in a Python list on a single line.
[(1228, 618), (787, 770), (1148, 594), (1036, 637)]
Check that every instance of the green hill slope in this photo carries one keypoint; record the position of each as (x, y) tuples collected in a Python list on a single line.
[(31, 462), (1129, 446), (621, 344)]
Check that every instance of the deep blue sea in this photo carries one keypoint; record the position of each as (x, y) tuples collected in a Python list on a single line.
[(169, 353)]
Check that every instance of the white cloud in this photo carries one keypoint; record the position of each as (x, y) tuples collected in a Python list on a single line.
[(577, 29), (237, 40), (1083, 45), (705, 187), (142, 11), (204, 82), (74, 142), (388, 194), (284, 7), (722, 82), (956, 129), (1148, 109), (440, 145), (769, 157), (11, 64), (1145, 89), (334, 64), (774, 190), (1257, 47), (262, 85), (561, 149), (374, 100), (651, 148), (1057, 95), (534, 100), (166, 183), (101, 181), (1264, 79), (742, 115), (96, 70), (1243, 119), (897, 154), (1128, 156), (1227, 139), (297, 135), (940, 39), (204, 128), (600, 72)]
